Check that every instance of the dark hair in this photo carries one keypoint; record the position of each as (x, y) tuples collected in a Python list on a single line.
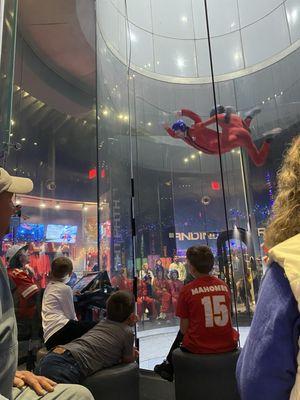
[(60, 267), (119, 306), (201, 258), (15, 261)]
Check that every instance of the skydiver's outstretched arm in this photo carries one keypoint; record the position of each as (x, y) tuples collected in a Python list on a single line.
[(190, 114)]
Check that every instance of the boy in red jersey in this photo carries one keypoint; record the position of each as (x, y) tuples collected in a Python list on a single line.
[(204, 311)]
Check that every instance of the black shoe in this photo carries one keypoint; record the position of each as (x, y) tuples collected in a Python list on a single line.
[(165, 371)]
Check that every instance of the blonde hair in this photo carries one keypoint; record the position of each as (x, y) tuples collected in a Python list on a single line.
[(285, 220)]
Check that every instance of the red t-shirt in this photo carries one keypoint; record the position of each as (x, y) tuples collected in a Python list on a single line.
[(205, 302)]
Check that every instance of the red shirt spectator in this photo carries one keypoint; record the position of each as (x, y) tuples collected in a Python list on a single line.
[(206, 303)]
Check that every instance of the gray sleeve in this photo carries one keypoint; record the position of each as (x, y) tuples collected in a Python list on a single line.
[(128, 345)]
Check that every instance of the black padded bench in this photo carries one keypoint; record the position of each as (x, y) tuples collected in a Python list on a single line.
[(205, 376), (120, 382)]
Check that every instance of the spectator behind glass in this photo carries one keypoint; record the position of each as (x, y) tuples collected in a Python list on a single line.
[(23, 284), (179, 267), (204, 309), (158, 266), (268, 367), (162, 293), (108, 343), (60, 324), (146, 271)]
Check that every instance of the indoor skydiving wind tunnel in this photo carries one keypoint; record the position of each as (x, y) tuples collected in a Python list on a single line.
[(147, 127)]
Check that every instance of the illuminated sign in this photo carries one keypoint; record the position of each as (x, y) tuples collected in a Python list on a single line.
[(194, 236), (215, 185), (92, 173)]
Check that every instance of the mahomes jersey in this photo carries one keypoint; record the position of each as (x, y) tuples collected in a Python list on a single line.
[(205, 302)]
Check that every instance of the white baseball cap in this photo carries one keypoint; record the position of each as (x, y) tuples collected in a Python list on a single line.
[(13, 250), (14, 184)]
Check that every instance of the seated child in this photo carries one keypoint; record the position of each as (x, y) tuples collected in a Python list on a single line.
[(59, 320), (109, 343), (204, 309)]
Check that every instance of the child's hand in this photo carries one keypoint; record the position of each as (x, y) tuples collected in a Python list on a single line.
[(135, 353)]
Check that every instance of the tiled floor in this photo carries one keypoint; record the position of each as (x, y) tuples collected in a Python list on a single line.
[(155, 344)]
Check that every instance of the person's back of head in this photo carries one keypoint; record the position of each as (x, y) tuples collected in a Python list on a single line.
[(200, 260), (61, 268), (285, 219), (120, 306)]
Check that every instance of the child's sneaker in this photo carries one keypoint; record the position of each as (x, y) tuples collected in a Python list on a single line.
[(165, 371)]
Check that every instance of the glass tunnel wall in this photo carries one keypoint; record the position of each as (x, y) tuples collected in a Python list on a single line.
[(52, 134), (155, 59)]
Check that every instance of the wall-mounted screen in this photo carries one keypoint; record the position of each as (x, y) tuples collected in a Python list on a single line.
[(30, 233), (61, 233)]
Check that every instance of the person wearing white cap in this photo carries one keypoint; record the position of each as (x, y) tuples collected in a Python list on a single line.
[(26, 292), (21, 385)]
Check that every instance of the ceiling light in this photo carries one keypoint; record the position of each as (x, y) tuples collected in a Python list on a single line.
[(12, 122), (57, 205), (23, 139), (121, 116), (157, 62), (200, 152), (149, 123), (133, 37), (186, 160), (126, 118), (35, 144), (293, 16), (11, 134), (18, 202), (193, 156), (180, 62), (42, 205), (184, 19), (84, 208), (237, 56), (105, 112)]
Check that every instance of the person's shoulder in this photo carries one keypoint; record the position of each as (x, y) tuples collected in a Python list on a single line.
[(187, 287)]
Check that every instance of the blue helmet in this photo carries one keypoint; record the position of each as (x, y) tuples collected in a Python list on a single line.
[(179, 126), (220, 110)]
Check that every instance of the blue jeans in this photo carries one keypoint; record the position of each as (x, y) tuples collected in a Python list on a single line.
[(61, 368)]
